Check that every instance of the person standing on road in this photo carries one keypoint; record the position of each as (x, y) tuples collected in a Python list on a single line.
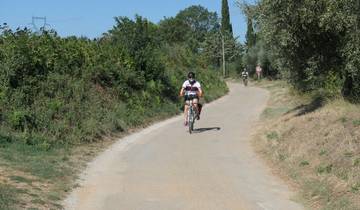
[(258, 71)]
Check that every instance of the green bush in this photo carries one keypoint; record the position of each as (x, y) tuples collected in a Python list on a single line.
[(17, 119), (72, 90)]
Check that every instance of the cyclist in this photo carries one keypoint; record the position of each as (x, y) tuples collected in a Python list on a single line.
[(245, 76), (191, 90)]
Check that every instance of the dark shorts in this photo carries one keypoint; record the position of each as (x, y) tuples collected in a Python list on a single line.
[(187, 99)]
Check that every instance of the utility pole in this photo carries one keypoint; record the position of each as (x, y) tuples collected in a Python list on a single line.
[(223, 55), (225, 49), (357, 21)]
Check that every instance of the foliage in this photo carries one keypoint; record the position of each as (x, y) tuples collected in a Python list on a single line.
[(257, 52), (250, 34), (226, 26), (212, 46), (71, 90), (190, 27), (199, 30), (312, 42)]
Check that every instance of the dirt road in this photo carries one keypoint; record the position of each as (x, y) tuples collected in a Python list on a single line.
[(165, 168)]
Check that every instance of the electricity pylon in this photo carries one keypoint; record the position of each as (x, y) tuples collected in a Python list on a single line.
[(36, 28)]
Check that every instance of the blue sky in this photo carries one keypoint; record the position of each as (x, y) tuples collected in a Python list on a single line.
[(91, 18)]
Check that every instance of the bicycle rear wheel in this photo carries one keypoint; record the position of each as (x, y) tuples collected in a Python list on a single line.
[(245, 81)]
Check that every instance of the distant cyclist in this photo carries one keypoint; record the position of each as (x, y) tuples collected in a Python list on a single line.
[(245, 76), (191, 90)]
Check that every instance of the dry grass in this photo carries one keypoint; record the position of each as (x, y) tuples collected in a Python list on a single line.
[(315, 144), (34, 186), (33, 179)]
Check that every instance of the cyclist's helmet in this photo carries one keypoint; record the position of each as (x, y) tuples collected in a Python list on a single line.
[(191, 77)]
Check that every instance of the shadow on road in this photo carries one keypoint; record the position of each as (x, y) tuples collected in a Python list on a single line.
[(201, 130)]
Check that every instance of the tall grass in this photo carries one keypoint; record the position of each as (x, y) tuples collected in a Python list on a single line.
[(314, 144)]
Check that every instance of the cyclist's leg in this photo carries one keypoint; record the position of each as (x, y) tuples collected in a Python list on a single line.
[(199, 109), (196, 102), (186, 109)]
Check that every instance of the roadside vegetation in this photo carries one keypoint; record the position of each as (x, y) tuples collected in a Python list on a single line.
[(62, 100), (310, 131), (312, 44), (314, 144)]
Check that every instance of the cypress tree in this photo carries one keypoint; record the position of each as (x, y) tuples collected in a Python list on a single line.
[(226, 26), (250, 35)]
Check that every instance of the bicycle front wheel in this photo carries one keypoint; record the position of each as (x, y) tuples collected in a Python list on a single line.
[(191, 120)]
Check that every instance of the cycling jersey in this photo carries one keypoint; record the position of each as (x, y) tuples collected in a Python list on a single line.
[(191, 90)]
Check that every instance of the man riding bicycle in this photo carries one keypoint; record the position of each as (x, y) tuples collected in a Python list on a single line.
[(191, 90)]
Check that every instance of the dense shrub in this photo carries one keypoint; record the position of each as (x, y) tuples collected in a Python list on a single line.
[(56, 90)]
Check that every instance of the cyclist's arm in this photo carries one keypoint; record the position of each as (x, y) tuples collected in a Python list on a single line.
[(182, 91), (200, 92)]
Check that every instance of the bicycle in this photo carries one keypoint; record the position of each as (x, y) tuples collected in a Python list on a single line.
[(245, 80), (191, 115)]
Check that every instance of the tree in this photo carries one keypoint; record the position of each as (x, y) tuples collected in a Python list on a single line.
[(351, 51), (213, 48), (226, 26), (138, 40), (314, 44), (190, 26), (250, 34)]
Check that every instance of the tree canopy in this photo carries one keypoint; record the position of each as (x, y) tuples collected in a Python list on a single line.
[(313, 43), (190, 26)]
